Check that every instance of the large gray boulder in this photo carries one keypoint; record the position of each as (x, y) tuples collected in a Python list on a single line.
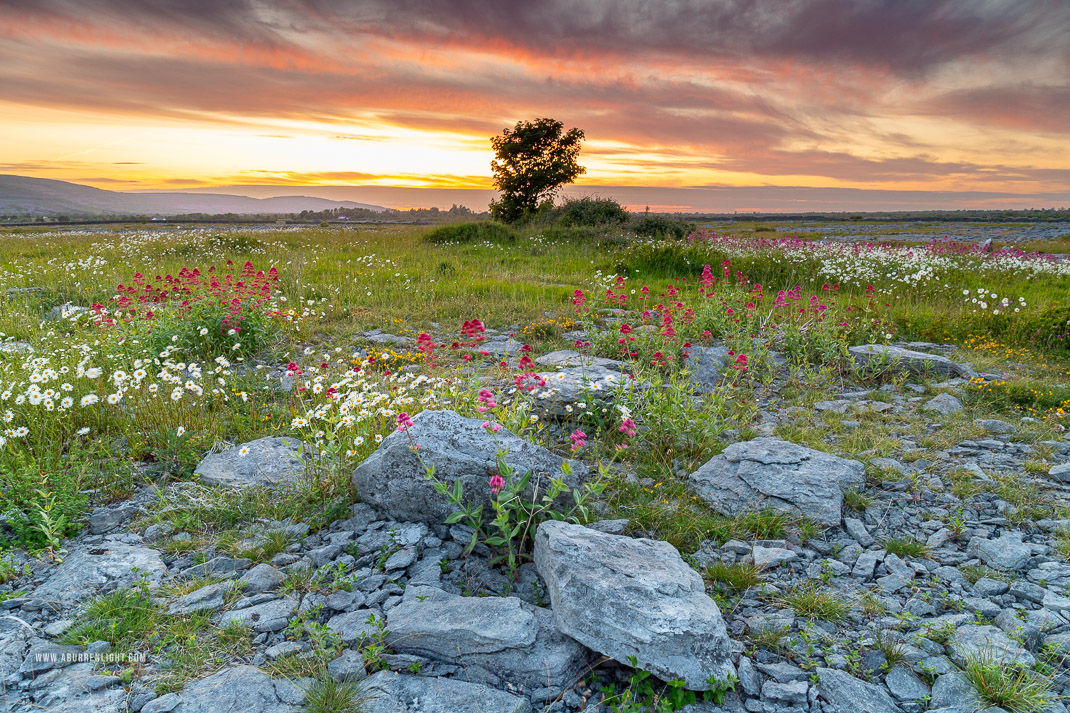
[(627, 597), (267, 462), (389, 692), (498, 640), (706, 367), (900, 359), (843, 693), (90, 570), (393, 478), (775, 474), (242, 689)]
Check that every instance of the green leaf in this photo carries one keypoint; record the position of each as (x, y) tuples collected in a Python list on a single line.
[(454, 517)]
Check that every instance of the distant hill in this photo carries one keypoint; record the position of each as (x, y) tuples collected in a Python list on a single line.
[(21, 195)]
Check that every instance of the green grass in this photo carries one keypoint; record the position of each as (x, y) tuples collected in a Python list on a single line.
[(327, 695), (1013, 688), (810, 601), (905, 547), (132, 621), (857, 501), (734, 578)]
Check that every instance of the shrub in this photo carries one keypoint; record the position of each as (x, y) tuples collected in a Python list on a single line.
[(661, 226), (592, 211), (471, 233)]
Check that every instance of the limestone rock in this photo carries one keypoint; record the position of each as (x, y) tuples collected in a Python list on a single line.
[(971, 640), (629, 597), (568, 388), (242, 689), (570, 358), (269, 616), (1008, 553), (907, 360), (267, 462), (943, 404), (498, 640), (843, 693), (393, 478), (706, 367), (775, 474), (390, 692), (88, 570)]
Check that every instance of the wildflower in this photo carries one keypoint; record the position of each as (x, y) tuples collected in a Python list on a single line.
[(244, 451), (176, 394), (83, 430), (181, 430), (378, 438), (486, 401), (496, 483), (93, 372), (89, 400), (627, 427), (404, 421), (579, 439)]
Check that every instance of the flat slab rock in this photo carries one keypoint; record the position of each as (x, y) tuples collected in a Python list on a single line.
[(624, 597), (390, 692), (393, 479), (241, 689), (570, 358), (267, 462), (498, 640), (782, 476), (87, 570), (843, 693), (908, 360)]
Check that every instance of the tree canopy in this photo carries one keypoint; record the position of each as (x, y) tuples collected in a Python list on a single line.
[(532, 160)]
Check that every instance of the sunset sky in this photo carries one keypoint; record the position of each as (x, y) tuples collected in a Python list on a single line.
[(957, 103)]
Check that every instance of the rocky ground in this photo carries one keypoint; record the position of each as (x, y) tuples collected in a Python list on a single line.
[(921, 560)]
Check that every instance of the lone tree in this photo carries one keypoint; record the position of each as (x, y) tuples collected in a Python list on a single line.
[(532, 161)]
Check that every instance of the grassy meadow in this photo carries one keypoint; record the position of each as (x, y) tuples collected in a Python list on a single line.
[(197, 337)]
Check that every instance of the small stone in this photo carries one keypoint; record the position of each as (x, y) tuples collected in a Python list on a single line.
[(858, 531), (261, 578), (206, 599), (1060, 472), (986, 587), (164, 704), (270, 616), (349, 666), (788, 693), (944, 404), (904, 685), (769, 557)]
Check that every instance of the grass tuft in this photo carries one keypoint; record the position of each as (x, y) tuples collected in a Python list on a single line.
[(1012, 688)]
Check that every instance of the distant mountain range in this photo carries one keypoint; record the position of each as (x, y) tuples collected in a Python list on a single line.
[(21, 195)]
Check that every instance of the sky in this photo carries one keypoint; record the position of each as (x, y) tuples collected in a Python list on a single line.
[(686, 104)]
